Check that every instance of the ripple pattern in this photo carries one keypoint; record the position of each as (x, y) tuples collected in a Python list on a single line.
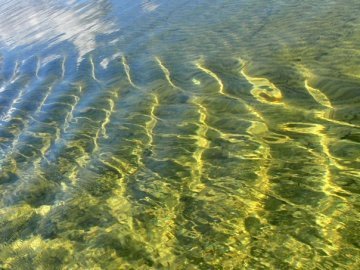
[(140, 139)]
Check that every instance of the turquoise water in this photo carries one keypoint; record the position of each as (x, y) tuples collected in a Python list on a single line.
[(179, 134)]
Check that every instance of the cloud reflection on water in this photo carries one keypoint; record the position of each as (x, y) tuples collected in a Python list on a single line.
[(28, 23)]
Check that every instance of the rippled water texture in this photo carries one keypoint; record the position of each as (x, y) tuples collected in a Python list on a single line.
[(179, 134)]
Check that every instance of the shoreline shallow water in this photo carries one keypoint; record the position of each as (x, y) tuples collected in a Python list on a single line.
[(179, 134)]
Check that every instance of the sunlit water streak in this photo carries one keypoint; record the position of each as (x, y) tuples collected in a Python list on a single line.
[(179, 134)]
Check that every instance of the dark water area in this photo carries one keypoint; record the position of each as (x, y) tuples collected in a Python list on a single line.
[(179, 134)]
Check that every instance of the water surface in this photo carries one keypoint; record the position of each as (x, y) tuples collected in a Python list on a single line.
[(179, 134)]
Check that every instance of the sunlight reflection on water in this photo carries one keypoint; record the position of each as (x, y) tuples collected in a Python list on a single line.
[(179, 134)]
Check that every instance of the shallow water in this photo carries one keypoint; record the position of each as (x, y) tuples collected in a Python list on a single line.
[(179, 134)]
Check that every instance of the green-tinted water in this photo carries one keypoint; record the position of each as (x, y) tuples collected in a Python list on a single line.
[(179, 134)]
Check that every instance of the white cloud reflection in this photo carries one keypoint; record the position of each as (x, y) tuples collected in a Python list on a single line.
[(24, 23), (149, 6)]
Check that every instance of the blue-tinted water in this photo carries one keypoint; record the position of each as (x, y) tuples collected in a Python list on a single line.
[(179, 134)]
